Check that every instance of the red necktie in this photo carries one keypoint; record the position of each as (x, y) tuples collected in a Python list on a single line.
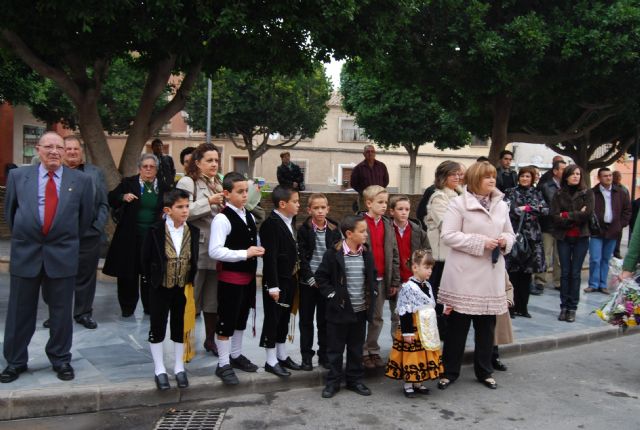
[(50, 203)]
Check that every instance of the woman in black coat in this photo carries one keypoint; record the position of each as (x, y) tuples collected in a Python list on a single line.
[(526, 203), (571, 208), (137, 203)]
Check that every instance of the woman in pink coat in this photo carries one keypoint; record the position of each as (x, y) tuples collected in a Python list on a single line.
[(478, 232)]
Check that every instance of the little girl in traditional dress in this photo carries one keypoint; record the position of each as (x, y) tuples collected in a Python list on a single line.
[(415, 356)]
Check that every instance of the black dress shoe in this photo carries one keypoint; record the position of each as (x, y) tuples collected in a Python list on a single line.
[(289, 364), (276, 370), (490, 383), (498, 365), (526, 314), (306, 364), (87, 321), (324, 362), (359, 388), (181, 379), (126, 314), (64, 372), (243, 363), (46, 323), (571, 316), (210, 346), (421, 389), (329, 391), (162, 382), (563, 315), (11, 373), (409, 393), (227, 375), (443, 384)]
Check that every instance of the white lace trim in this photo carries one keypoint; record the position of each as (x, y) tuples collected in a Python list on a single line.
[(411, 299)]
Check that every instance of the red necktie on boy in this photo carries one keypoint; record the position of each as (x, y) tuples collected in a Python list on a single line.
[(50, 203)]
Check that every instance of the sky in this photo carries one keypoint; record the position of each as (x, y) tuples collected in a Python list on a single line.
[(333, 70)]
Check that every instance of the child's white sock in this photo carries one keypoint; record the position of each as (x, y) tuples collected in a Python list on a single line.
[(158, 358), (408, 386), (271, 356), (281, 350), (224, 349), (236, 343), (178, 366)]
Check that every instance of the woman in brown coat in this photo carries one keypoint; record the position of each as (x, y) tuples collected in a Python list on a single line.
[(571, 209)]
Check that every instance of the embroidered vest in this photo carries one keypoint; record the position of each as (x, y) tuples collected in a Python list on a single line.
[(178, 266)]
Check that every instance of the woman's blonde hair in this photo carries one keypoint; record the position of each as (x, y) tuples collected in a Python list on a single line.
[(476, 173)]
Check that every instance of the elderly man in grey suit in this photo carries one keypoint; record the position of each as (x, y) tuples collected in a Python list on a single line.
[(90, 241), (48, 208)]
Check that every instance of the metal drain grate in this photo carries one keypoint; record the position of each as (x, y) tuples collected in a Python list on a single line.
[(204, 419)]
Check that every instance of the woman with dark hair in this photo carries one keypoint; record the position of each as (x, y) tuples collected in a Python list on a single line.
[(571, 209), (138, 199), (447, 182), (204, 186), (526, 205)]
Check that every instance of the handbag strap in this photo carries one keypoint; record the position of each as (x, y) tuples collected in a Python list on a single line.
[(521, 222)]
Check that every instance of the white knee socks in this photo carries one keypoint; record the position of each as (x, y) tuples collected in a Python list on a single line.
[(158, 358), (179, 354), (281, 350), (271, 356), (224, 349), (236, 343)]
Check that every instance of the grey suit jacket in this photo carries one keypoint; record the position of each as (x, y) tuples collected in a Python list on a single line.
[(58, 251), (100, 203)]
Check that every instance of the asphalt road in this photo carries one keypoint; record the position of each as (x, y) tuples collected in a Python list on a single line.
[(594, 386)]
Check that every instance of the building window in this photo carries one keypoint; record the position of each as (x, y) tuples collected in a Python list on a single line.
[(240, 165), (344, 175), (476, 141), (404, 180), (350, 132), (30, 136)]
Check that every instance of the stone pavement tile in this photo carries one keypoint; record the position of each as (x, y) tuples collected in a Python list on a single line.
[(108, 357)]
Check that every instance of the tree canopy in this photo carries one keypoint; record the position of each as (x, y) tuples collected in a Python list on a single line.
[(251, 107), (398, 114)]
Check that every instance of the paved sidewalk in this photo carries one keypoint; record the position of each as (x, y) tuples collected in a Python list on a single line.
[(114, 368)]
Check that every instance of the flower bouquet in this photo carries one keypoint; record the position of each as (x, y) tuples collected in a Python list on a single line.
[(623, 307)]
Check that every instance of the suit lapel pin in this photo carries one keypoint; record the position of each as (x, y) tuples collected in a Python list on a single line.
[(70, 189)]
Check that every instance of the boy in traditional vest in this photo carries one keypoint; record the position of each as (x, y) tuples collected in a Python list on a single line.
[(316, 234), (279, 278), (169, 262), (233, 244)]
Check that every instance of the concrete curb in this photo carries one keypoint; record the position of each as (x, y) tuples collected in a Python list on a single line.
[(82, 399)]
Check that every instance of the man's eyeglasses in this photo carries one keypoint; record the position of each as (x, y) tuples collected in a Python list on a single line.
[(51, 148), (148, 166)]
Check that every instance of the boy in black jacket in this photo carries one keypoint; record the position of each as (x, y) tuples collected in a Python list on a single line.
[(317, 234), (347, 278), (277, 235), (169, 262)]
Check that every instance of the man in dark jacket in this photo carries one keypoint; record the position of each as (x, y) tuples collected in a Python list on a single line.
[(166, 170), (289, 174), (506, 177), (549, 189), (613, 209)]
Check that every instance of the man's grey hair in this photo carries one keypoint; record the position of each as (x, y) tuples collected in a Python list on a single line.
[(147, 157)]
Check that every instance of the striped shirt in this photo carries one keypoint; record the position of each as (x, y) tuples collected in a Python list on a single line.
[(354, 267), (318, 252)]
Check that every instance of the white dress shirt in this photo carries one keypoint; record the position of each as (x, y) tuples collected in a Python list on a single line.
[(608, 211), (220, 229), (176, 234)]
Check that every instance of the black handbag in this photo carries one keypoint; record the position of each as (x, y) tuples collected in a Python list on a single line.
[(594, 225), (521, 250)]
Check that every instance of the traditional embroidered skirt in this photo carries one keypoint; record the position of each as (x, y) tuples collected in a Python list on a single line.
[(410, 362)]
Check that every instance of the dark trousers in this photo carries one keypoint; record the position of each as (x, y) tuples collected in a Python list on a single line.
[(453, 352), (132, 286), (162, 302), (86, 278), (352, 336), (276, 316), (572, 251), (21, 317), (434, 280), (521, 287), (312, 302), (234, 303)]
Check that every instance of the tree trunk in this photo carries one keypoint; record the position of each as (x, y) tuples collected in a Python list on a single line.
[(412, 150), (582, 158), (501, 113), (94, 138)]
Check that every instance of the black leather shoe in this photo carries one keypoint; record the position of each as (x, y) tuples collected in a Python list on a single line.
[(563, 315), (126, 314), (421, 389), (289, 364), (162, 382), (490, 383), (443, 384), (11, 373), (64, 371), (498, 365), (87, 321), (534, 291), (46, 323), (571, 316), (181, 379), (306, 364), (409, 393), (210, 346), (243, 363), (324, 362), (277, 370), (227, 375), (329, 391), (359, 388)]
